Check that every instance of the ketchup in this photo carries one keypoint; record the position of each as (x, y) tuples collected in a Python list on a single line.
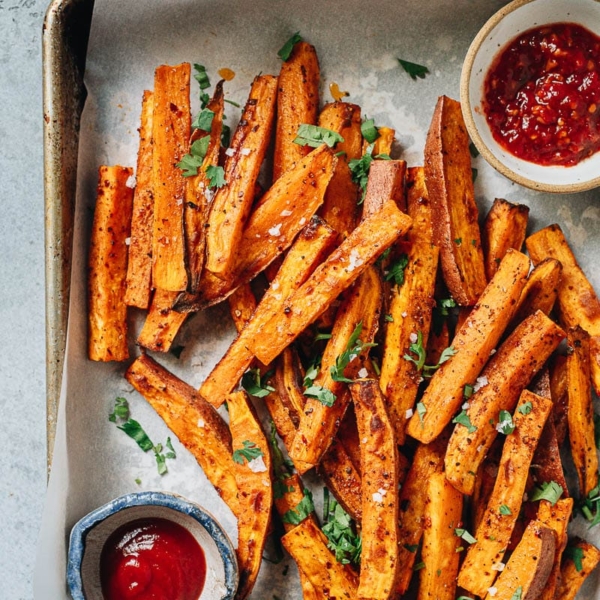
[(542, 95), (152, 559)]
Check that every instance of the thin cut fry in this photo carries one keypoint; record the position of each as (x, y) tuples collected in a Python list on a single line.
[(571, 579), (196, 423), (255, 490), (473, 344), (139, 265), (242, 304), (383, 144), (560, 396), (581, 410), (379, 459), (162, 323), (504, 228), (108, 266), (339, 271), (386, 181), (496, 526), (232, 203), (170, 133)]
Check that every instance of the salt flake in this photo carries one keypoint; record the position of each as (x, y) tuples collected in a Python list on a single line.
[(201, 423), (286, 213), (413, 338), (276, 231), (257, 465), (409, 413), (131, 181), (363, 373), (377, 497)]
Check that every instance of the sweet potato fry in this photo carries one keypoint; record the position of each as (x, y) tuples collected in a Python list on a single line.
[(529, 565), (439, 553), (139, 264), (386, 181), (383, 144), (571, 579), (313, 244), (170, 133), (319, 421), (473, 344), (107, 316), (196, 423), (379, 472), (557, 518), (297, 103), (162, 322), (339, 271), (493, 534), (232, 202), (484, 482), (506, 375), (345, 119), (242, 304), (449, 180), (578, 303), (414, 498), (560, 396), (307, 545), (252, 458), (304, 188), (581, 410), (198, 193), (505, 226)]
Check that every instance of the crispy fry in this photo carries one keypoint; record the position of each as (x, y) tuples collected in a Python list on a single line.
[(170, 134), (437, 579), (383, 144), (162, 323), (449, 180), (312, 245), (339, 271), (504, 228), (345, 119), (242, 304), (484, 482), (198, 193), (560, 396), (196, 423), (473, 344), (506, 375), (255, 491), (297, 103), (107, 316), (318, 421), (414, 498), (581, 410), (557, 518), (304, 188), (494, 531), (307, 545), (529, 565), (578, 303), (380, 467), (232, 203), (139, 264), (571, 579), (386, 181)]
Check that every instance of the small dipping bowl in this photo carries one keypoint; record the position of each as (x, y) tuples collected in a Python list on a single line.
[(90, 534), (508, 23)]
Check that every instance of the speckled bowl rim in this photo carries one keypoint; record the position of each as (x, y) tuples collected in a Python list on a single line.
[(172, 501), (465, 99)]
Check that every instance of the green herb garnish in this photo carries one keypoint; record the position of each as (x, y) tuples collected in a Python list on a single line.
[(121, 410), (465, 535), (250, 451), (369, 131), (395, 271), (303, 509), (204, 120), (549, 490), (525, 408), (413, 69), (505, 510), (256, 385), (191, 162), (323, 395), (418, 349), (576, 554), (286, 50), (463, 419), (215, 176), (314, 136), (505, 423), (338, 527), (353, 348)]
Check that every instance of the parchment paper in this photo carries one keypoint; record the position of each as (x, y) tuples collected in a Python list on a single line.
[(358, 44)]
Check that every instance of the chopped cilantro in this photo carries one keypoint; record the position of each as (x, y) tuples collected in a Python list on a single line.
[(525, 408), (458, 241), (413, 69), (204, 120), (312, 370), (303, 509), (473, 150), (388, 317), (138, 481), (216, 176), (322, 336), (286, 50), (549, 490), (419, 566), (505, 423), (191, 162), (439, 314), (590, 506), (463, 419), (121, 410), (353, 348), (225, 135), (411, 548), (314, 136), (465, 535), (255, 385), (323, 395), (468, 391), (505, 510), (418, 349), (421, 410), (395, 271), (576, 554), (359, 167), (232, 102), (369, 131), (135, 431), (338, 527), (518, 593), (250, 451), (201, 76)]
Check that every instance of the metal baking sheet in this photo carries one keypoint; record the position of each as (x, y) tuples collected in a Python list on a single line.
[(358, 46)]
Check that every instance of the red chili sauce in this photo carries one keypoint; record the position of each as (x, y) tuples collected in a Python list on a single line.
[(152, 559), (542, 95)]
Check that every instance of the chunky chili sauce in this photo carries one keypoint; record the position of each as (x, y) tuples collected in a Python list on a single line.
[(152, 559), (542, 95)]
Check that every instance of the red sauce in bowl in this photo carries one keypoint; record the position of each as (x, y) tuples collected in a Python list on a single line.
[(542, 95), (152, 559)]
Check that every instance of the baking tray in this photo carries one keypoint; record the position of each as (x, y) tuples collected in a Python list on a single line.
[(358, 47)]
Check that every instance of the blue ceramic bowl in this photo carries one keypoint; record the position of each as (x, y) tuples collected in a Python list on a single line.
[(90, 533)]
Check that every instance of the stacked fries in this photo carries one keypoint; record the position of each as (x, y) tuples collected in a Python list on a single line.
[(439, 439)]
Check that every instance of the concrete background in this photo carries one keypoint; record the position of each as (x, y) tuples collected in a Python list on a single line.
[(22, 356)]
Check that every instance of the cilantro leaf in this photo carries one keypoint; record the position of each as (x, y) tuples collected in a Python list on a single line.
[(339, 529), (303, 509), (418, 349), (255, 385), (590, 506), (286, 50), (191, 162), (505, 423), (576, 554), (413, 69), (250, 451), (421, 410), (525, 408), (135, 431), (225, 135), (465, 535), (395, 271), (473, 150), (411, 547), (369, 131), (201, 76), (505, 510), (549, 490), (216, 176), (418, 566), (468, 391), (204, 120), (314, 136), (312, 370), (121, 410), (359, 167), (323, 395), (354, 347), (518, 593), (169, 445), (322, 336), (463, 419), (440, 313)]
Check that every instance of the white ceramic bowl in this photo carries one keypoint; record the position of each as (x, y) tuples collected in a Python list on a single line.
[(509, 22), (89, 535)]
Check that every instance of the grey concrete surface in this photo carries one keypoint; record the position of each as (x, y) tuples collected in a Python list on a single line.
[(22, 357)]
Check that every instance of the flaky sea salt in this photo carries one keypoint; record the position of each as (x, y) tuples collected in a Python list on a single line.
[(363, 373), (286, 213), (257, 465), (201, 423), (499, 566), (230, 152), (245, 151), (128, 241), (131, 181), (492, 591), (409, 413), (465, 406), (413, 337), (481, 382), (354, 261), (377, 497), (302, 221), (276, 230)]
